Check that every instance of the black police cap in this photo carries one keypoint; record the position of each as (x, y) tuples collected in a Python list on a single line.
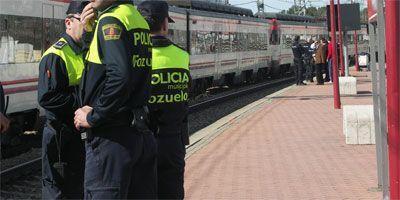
[(157, 10), (76, 7)]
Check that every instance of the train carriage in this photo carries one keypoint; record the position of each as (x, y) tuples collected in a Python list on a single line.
[(224, 47), (27, 29), (227, 45)]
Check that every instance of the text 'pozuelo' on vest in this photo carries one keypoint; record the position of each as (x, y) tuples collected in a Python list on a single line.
[(138, 61)]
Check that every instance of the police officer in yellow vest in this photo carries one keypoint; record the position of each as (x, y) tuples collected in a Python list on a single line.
[(60, 73), (120, 148), (168, 101)]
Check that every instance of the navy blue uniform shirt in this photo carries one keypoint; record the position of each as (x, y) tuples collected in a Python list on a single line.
[(54, 93)]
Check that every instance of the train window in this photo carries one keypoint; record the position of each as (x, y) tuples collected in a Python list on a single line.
[(252, 39), (198, 43), (287, 41), (244, 42), (225, 41), (5, 25), (203, 42), (235, 42), (20, 46), (28, 45), (263, 41), (212, 42), (178, 37)]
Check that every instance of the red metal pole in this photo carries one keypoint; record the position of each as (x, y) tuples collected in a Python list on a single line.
[(340, 39), (336, 95), (356, 50), (393, 90)]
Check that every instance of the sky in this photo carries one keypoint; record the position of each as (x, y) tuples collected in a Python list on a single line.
[(276, 5)]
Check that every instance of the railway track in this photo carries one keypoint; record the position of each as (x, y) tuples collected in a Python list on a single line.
[(20, 177), (221, 98), (22, 181)]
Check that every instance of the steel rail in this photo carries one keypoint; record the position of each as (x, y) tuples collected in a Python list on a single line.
[(20, 170), (212, 101)]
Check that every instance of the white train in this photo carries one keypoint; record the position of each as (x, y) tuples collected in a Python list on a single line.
[(227, 44)]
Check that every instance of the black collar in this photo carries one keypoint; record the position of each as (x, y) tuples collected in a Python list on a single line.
[(114, 5), (160, 41), (76, 47)]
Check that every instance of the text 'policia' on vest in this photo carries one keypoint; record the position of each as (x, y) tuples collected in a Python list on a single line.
[(128, 82), (170, 86)]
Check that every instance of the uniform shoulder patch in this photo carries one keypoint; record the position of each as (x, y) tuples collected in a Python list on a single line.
[(111, 31), (59, 44)]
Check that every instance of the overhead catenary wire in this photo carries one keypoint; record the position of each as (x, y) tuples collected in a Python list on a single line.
[(239, 4), (272, 7)]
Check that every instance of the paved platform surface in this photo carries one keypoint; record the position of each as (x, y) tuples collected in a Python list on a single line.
[(289, 148)]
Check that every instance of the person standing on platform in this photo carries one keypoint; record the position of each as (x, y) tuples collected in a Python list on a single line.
[(168, 118), (329, 60), (308, 60), (298, 51), (120, 148), (60, 73), (320, 61)]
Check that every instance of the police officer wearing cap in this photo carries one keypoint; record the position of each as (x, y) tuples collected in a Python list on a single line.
[(60, 71), (168, 101), (120, 148), (298, 52)]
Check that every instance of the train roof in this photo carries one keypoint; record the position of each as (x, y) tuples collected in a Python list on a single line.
[(237, 17), (208, 9), (215, 14), (210, 6), (287, 17)]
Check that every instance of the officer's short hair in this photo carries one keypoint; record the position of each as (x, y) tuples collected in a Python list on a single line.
[(76, 7), (154, 24), (155, 12)]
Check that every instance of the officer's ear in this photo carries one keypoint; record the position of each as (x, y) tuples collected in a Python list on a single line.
[(68, 22), (164, 26)]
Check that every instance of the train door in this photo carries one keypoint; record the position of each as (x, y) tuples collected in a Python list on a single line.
[(217, 54), (52, 25), (237, 49), (275, 41)]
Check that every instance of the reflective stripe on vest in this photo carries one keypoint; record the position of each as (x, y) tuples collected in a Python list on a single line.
[(73, 62), (128, 15)]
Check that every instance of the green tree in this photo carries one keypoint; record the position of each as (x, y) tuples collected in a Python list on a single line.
[(312, 11)]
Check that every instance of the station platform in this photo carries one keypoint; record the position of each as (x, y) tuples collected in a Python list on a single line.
[(289, 145)]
